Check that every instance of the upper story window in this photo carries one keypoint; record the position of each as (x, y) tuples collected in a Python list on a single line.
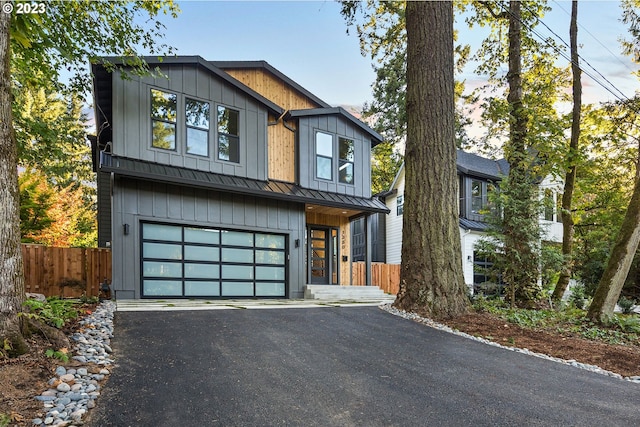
[(478, 196), (345, 168), (400, 205), (164, 111), (228, 134), (197, 122), (548, 204), (324, 155)]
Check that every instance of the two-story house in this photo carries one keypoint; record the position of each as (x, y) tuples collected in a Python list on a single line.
[(226, 179), (477, 177)]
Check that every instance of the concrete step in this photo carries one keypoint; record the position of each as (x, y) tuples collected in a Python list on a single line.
[(356, 293)]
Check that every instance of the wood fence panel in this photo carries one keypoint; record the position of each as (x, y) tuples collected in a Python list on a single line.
[(386, 276), (65, 272)]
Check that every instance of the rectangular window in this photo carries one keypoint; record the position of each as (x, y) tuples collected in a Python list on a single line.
[(346, 152), (197, 121), (478, 199), (549, 204), (324, 156), (228, 135), (163, 119), (400, 205)]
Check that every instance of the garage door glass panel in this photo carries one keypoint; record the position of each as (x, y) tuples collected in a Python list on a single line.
[(237, 255), (242, 289), (202, 235), (269, 257), (202, 289), (162, 250), (201, 253), (269, 273), (162, 288), (202, 271), (162, 232), (269, 289), (189, 261), (269, 241), (162, 269), (237, 272), (237, 238)]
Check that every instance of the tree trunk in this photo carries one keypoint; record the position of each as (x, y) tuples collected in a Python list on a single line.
[(520, 217), (431, 280), (11, 269), (620, 259), (572, 154)]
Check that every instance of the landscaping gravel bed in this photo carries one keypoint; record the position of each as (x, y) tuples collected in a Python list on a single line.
[(72, 392)]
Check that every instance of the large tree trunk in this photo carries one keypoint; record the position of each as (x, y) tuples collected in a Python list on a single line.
[(11, 269), (431, 280), (572, 154), (620, 259), (520, 217)]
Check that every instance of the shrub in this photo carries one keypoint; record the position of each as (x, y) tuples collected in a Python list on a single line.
[(626, 305)]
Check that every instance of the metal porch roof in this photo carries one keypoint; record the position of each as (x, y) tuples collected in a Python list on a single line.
[(150, 171)]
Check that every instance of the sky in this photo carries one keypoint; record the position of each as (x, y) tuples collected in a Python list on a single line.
[(308, 42)]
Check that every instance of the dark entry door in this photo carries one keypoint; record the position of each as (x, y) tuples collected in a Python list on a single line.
[(319, 252)]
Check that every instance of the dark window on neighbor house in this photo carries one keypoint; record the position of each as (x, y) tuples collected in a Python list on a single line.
[(548, 204), (228, 134), (559, 208), (345, 169), (478, 196), (163, 119), (324, 155), (400, 205), (197, 120), (486, 280)]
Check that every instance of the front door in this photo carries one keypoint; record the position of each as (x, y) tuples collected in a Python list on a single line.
[(322, 253)]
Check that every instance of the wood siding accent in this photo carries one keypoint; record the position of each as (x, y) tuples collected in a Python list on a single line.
[(385, 276), (48, 269), (272, 88), (281, 151), (281, 141), (344, 233)]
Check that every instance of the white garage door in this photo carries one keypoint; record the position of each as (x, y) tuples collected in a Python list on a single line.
[(184, 261)]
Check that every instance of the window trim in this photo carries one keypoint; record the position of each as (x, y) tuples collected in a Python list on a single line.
[(342, 161), (161, 120), (316, 155), (400, 205), (231, 136), (187, 127)]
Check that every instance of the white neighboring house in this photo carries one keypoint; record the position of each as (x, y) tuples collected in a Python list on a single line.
[(477, 176)]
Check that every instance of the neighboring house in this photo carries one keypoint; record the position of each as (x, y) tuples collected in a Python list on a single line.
[(477, 177), (226, 179)]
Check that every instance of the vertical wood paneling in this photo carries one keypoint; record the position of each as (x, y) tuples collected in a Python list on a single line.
[(385, 276), (47, 269)]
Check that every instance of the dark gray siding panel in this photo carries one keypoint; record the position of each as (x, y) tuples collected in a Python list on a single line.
[(104, 208), (339, 127), (132, 121), (135, 201)]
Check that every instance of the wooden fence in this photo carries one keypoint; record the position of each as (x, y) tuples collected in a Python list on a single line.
[(65, 272), (386, 276)]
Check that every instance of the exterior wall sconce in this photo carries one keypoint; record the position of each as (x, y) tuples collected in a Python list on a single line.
[(296, 243), (125, 229)]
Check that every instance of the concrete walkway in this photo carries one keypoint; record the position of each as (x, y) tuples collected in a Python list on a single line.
[(240, 304)]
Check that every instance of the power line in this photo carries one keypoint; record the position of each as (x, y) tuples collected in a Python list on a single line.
[(620, 95)]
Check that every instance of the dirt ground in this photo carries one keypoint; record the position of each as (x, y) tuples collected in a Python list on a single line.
[(25, 377)]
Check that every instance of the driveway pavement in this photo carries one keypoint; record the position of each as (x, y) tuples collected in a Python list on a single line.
[(338, 366)]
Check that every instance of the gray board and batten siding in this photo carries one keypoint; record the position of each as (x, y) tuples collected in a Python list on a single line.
[(136, 202), (132, 121), (333, 122)]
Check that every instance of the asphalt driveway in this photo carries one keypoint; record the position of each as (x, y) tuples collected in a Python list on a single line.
[(338, 367)]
